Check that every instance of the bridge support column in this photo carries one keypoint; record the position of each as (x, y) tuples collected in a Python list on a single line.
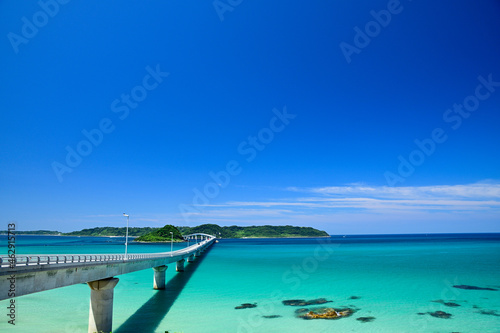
[(190, 258), (101, 305), (179, 267), (197, 253), (159, 277)]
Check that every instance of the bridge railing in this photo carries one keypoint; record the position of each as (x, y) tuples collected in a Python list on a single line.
[(51, 259)]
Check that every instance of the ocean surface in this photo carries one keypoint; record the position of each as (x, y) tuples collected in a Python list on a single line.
[(398, 280)]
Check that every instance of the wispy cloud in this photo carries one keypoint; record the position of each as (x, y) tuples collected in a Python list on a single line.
[(352, 208), (360, 203), (371, 203), (442, 197), (477, 191)]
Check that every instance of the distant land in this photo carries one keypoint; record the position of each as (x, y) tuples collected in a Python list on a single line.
[(264, 231), (96, 232), (111, 231), (33, 232), (163, 234)]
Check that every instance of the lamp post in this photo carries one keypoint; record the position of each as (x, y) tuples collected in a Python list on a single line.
[(171, 243), (126, 236)]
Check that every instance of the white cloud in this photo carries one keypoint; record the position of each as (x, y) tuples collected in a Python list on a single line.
[(476, 191), (364, 205)]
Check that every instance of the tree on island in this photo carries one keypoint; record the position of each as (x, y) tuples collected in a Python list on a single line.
[(162, 235)]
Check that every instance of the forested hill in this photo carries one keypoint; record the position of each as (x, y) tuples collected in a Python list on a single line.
[(166, 234), (264, 231), (111, 231), (32, 232)]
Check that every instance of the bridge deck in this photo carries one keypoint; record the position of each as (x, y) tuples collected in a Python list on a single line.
[(34, 273)]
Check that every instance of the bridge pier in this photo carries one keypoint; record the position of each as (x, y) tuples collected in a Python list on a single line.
[(179, 267), (190, 258), (159, 277), (101, 305), (197, 253)]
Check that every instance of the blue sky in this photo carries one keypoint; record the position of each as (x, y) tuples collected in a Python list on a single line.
[(366, 117)]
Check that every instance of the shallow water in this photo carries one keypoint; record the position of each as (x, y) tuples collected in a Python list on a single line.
[(395, 277)]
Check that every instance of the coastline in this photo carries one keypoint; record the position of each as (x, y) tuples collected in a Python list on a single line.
[(17, 234), (151, 234), (251, 238), (280, 237)]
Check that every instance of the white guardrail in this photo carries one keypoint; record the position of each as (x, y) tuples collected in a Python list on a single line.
[(51, 259)]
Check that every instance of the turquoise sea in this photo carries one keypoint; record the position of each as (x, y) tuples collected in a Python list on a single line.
[(393, 279)]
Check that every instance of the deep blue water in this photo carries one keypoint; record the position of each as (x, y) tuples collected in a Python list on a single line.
[(394, 277)]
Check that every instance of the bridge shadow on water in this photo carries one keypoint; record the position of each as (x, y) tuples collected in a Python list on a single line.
[(147, 318)]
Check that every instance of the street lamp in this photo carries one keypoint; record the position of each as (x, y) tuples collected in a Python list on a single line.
[(171, 243), (126, 236)]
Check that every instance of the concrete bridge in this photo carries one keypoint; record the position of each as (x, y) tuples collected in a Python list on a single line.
[(197, 236), (29, 274)]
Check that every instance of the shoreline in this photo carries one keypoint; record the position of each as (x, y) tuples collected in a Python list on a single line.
[(17, 234), (168, 241), (291, 237)]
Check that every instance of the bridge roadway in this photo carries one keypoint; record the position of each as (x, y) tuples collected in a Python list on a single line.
[(27, 274)]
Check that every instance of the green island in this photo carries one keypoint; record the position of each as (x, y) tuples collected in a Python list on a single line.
[(149, 234), (33, 232), (265, 231), (112, 231), (162, 235), (92, 232)]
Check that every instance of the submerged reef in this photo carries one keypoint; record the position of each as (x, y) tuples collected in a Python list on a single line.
[(246, 306), (489, 313), (467, 287), (451, 304), (326, 313), (441, 314), (437, 314), (301, 302)]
